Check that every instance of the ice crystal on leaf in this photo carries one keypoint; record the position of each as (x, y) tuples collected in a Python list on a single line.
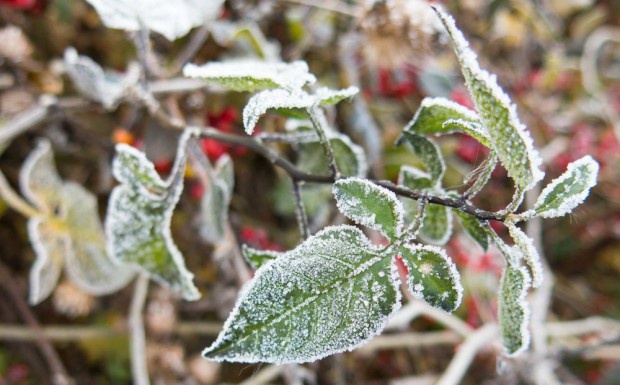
[(252, 75), (513, 310), (529, 252), (433, 276), (139, 215), (370, 205), (67, 232), (93, 82), (567, 191), (509, 137), (336, 290), (173, 19)]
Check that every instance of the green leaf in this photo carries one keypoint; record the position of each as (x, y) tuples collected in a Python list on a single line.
[(257, 258), (370, 205), (138, 219), (215, 201), (284, 99), (474, 229), (442, 116), (350, 158), (529, 252), (567, 191), (509, 137), (437, 223), (332, 293), (252, 75), (432, 277), (513, 310), (67, 233), (429, 154)]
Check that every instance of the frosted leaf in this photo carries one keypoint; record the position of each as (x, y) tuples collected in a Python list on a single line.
[(252, 75), (474, 229), (331, 294), (90, 79), (350, 158), (172, 19), (509, 137), (277, 98), (513, 309), (281, 99), (68, 232), (442, 116), (215, 201), (529, 252), (370, 205), (432, 276), (482, 175), (258, 258), (326, 97), (437, 222), (567, 191), (46, 269), (139, 214), (429, 154)]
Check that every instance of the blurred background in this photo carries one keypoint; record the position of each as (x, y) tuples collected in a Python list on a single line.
[(558, 59)]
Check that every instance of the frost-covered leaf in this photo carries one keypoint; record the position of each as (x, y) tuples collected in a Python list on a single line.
[(281, 99), (258, 258), (139, 214), (473, 228), (509, 137), (172, 19), (332, 293), (429, 154), (215, 201), (567, 191), (68, 232), (432, 276), (350, 158), (437, 223), (529, 252), (513, 310), (93, 82), (370, 205), (442, 116), (252, 75)]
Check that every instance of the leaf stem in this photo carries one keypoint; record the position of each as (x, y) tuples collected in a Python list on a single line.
[(139, 369), (300, 210), (12, 199), (317, 117)]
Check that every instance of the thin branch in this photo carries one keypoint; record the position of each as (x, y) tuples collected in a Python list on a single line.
[(68, 333), (136, 325), (319, 121), (410, 340), (196, 41), (300, 210), (466, 354), (417, 308), (59, 373)]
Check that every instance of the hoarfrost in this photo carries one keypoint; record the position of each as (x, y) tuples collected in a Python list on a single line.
[(433, 276), (68, 232), (509, 136), (370, 205), (513, 309), (139, 214), (530, 254), (253, 75), (292, 311), (172, 19), (90, 79), (567, 191)]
